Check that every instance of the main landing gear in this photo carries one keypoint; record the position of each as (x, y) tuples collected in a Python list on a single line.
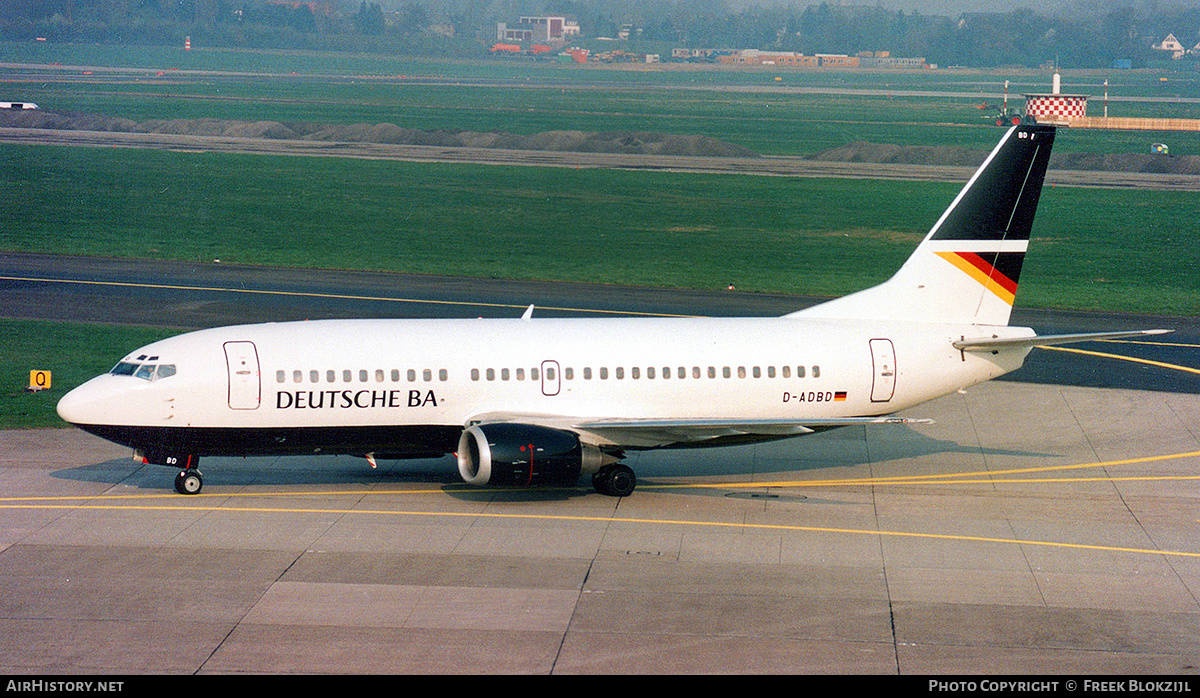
[(616, 480)]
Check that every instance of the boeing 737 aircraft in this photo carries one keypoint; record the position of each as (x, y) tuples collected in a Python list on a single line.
[(529, 401)]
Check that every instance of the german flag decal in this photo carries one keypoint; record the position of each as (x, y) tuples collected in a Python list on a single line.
[(839, 396), (996, 271)]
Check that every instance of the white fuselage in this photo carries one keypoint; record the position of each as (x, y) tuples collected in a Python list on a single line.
[(359, 373)]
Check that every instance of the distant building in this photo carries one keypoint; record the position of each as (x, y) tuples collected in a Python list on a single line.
[(519, 33), (555, 31), (828, 60), (1172, 46), (700, 54), (885, 61), (752, 56)]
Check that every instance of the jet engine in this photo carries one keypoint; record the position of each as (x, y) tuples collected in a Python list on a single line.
[(510, 455)]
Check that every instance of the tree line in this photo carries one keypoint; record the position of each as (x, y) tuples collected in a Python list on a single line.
[(467, 27)]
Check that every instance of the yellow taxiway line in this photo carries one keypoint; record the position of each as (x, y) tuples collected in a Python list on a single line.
[(1160, 364), (609, 520), (92, 503), (334, 296)]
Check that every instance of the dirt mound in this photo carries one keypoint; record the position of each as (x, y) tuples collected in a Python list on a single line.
[(634, 142), (861, 151), (1128, 162)]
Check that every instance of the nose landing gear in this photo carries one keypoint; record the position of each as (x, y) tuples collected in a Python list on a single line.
[(189, 481)]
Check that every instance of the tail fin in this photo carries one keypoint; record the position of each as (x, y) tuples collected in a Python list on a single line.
[(966, 268)]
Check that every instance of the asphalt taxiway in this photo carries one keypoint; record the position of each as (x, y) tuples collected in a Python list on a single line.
[(1043, 525)]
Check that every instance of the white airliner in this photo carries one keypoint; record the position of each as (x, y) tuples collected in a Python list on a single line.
[(529, 401)]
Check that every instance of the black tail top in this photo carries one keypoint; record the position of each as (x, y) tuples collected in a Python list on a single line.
[(1000, 202)]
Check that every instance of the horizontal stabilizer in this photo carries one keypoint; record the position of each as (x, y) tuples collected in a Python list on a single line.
[(993, 343)]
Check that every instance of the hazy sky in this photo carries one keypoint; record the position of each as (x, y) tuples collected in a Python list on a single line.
[(952, 8)]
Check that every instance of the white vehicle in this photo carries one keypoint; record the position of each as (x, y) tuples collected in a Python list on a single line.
[(18, 105), (529, 401)]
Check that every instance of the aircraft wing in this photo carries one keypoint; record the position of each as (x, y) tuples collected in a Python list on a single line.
[(652, 432), (993, 343), (672, 431)]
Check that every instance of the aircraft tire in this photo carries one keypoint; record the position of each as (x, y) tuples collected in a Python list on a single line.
[(600, 480), (189, 482), (620, 481)]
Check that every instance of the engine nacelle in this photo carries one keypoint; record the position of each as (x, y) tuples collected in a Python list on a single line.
[(515, 455)]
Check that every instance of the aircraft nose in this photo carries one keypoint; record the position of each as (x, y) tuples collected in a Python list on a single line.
[(81, 405)]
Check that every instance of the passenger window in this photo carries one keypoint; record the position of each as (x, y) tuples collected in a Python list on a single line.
[(346, 375), (533, 374), (379, 375), (520, 374), (395, 375), (650, 372), (412, 375), (799, 371), (603, 373), (816, 371), (770, 371), (331, 376), (297, 376), (362, 375), (314, 376), (549, 374), (442, 375), (474, 374), (741, 371), (587, 373), (280, 376), (725, 371), (491, 374), (427, 374), (569, 373), (787, 371), (504, 374)]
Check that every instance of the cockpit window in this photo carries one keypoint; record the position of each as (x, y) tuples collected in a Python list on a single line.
[(143, 371)]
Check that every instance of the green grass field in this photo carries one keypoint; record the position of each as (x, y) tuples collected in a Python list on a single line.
[(1098, 249), (1093, 248), (72, 352), (746, 106)]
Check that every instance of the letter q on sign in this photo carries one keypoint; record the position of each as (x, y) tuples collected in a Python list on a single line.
[(38, 380)]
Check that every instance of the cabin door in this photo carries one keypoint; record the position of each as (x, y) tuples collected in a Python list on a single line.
[(883, 382), (245, 392)]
